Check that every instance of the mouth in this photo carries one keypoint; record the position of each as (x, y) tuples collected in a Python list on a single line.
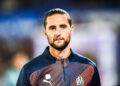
[(59, 39)]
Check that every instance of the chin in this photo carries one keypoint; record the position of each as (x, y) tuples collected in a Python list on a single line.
[(60, 48)]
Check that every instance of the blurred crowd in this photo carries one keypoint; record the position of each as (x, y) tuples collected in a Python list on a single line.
[(96, 35)]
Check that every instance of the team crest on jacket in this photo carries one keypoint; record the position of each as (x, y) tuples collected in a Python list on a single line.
[(80, 81), (48, 79)]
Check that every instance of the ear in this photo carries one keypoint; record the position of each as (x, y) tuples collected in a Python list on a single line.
[(44, 32), (72, 29)]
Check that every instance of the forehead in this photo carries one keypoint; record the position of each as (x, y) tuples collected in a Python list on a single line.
[(57, 19)]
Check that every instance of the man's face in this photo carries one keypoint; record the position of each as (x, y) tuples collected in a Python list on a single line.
[(58, 31)]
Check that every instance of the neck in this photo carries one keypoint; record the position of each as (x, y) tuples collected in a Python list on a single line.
[(60, 54)]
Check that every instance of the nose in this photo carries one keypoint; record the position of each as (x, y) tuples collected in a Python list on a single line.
[(58, 31)]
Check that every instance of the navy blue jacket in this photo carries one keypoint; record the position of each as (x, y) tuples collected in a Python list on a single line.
[(45, 70)]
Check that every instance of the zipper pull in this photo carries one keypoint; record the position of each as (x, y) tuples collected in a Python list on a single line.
[(62, 61)]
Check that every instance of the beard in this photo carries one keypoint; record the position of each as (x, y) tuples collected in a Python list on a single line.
[(62, 46)]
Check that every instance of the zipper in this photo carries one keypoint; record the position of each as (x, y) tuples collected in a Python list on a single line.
[(63, 66)]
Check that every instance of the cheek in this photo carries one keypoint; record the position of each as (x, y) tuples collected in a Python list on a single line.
[(67, 34), (50, 36)]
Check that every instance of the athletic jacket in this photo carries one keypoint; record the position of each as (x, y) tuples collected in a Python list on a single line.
[(46, 70)]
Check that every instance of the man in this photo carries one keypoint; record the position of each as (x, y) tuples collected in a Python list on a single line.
[(59, 65)]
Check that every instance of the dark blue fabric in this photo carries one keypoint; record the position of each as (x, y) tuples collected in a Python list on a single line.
[(45, 60)]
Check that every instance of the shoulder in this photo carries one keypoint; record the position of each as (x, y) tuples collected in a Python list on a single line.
[(34, 64), (35, 61), (86, 61), (82, 59)]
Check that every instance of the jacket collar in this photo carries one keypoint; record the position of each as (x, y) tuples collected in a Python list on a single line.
[(47, 55)]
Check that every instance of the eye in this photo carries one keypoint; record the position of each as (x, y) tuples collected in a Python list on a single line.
[(63, 26), (52, 27)]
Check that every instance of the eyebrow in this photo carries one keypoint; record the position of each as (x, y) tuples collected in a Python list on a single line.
[(51, 26), (63, 25)]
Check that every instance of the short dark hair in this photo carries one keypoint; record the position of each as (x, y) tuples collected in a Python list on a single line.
[(57, 11)]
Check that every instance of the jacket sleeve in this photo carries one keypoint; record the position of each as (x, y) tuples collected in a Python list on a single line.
[(23, 79), (96, 78)]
